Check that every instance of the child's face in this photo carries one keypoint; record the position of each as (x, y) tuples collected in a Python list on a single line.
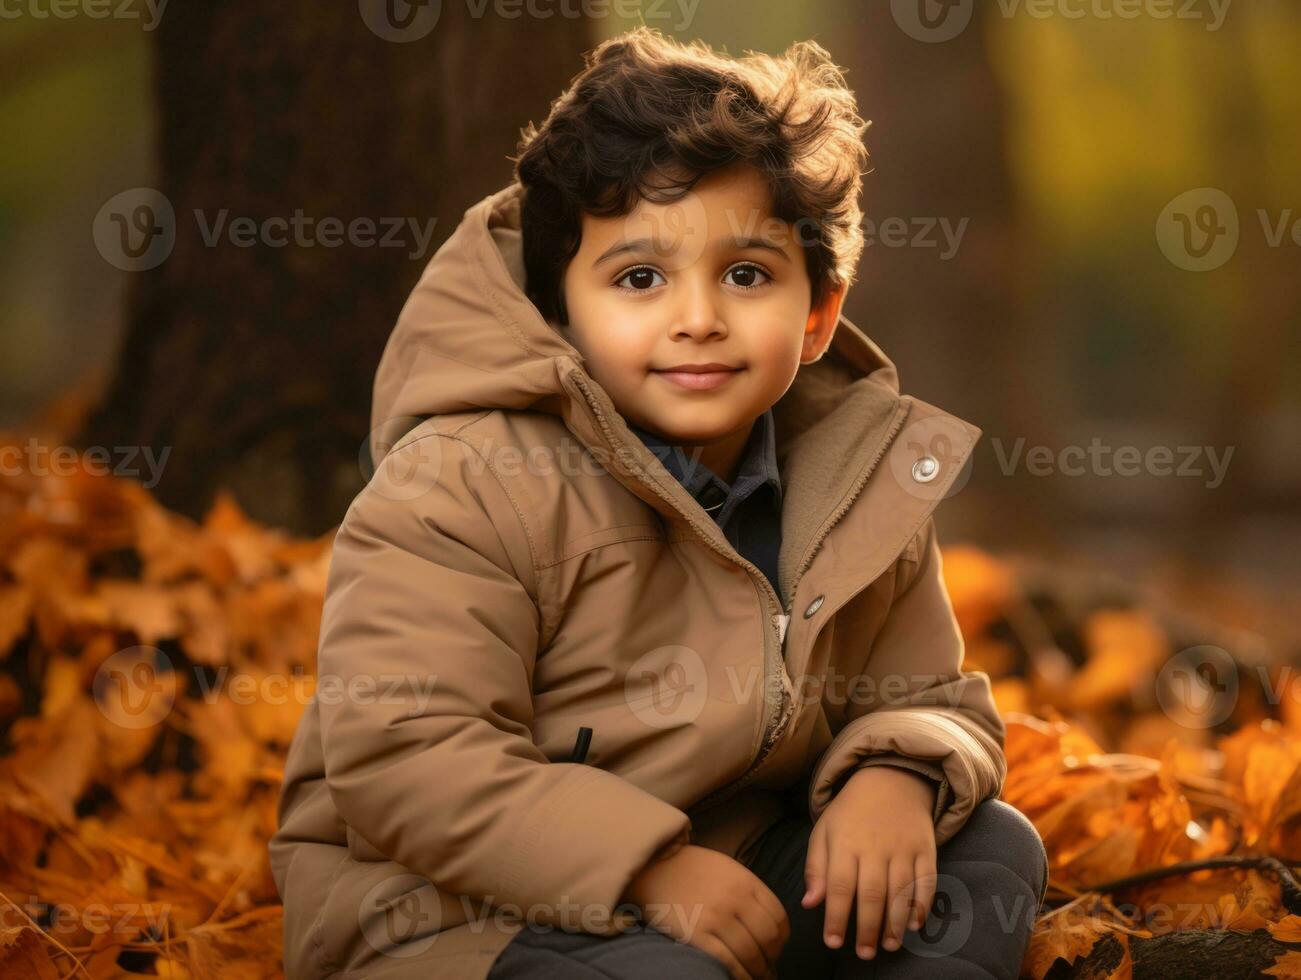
[(667, 285)]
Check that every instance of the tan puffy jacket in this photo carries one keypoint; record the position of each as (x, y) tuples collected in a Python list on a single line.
[(522, 567)]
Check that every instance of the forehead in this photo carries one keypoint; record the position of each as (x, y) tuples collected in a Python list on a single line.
[(723, 207)]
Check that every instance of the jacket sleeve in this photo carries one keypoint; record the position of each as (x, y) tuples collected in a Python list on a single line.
[(927, 713), (429, 636)]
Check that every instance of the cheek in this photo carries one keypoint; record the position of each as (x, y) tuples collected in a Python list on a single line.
[(616, 344), (624, 333), (780, 340), (623, 354)]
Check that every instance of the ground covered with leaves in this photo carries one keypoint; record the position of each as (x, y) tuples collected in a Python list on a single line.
[(152, 671)]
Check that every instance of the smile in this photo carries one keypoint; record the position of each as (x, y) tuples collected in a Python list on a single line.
[(697, 380)]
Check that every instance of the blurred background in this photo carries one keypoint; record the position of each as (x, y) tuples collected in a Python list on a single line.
[(1084, 236), (1084, 226)]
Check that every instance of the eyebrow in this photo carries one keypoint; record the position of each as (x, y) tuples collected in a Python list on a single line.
[(648, 245)]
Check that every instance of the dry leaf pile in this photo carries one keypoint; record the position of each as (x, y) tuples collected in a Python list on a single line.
[(1135, 746), (153, 674), (153, 669)]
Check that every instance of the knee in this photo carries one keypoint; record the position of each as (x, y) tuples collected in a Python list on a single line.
[(998, 831)]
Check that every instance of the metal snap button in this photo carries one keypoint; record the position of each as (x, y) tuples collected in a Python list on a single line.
[(814, 606), (926, 469)]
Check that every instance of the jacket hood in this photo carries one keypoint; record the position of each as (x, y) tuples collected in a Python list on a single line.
[(469, 339)]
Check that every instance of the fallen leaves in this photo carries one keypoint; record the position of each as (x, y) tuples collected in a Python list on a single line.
[(1126, 770), (153, 669)]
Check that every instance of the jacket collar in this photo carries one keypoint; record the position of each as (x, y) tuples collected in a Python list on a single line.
[(758, 466), (469, 339)]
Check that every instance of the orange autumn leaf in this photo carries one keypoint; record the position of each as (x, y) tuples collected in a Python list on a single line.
[(1286, 967), (23, 955), (1286, 929), (1067, 936)]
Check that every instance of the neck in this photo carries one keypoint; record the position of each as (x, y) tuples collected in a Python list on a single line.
[(722, 456)]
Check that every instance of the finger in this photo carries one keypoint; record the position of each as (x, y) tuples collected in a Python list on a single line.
[(924, 890), (716, 948), (900, 903), (815, 867), (770, 935), (872, 888), (771, 905), (842, 882), (743, 943)]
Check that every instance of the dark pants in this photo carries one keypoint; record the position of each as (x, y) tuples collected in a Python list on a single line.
[(991, 878)]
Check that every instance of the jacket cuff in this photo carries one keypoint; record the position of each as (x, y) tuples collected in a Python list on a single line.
[(930, 769), (973, 771)]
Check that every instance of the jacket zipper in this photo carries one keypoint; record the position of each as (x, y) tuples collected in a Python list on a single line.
[(775, 722), (775, 729)]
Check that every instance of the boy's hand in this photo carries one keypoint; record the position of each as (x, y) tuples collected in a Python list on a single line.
[(875, 842), (706, 899)]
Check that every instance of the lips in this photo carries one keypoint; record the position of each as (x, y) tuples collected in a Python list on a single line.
[(698, 380)]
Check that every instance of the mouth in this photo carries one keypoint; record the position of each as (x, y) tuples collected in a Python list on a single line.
[(698, 377)]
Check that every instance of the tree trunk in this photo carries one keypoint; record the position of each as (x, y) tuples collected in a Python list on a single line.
[(252, 365), (938, 280)]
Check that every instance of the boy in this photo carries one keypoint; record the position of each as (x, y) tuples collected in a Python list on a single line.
[(636, 659)]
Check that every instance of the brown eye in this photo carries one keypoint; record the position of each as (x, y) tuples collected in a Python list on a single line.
[(748, 276), (640, 279)]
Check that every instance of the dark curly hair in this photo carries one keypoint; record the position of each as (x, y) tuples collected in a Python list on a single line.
[(649, 116)]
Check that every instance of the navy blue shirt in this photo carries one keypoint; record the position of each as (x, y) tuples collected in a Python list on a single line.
[(749, 510)]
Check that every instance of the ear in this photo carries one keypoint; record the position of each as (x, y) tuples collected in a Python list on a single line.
[(821, 325)]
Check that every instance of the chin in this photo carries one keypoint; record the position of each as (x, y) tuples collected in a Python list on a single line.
[(695, 433)]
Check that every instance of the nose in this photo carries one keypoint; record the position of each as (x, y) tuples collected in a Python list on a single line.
[(697, 316)]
